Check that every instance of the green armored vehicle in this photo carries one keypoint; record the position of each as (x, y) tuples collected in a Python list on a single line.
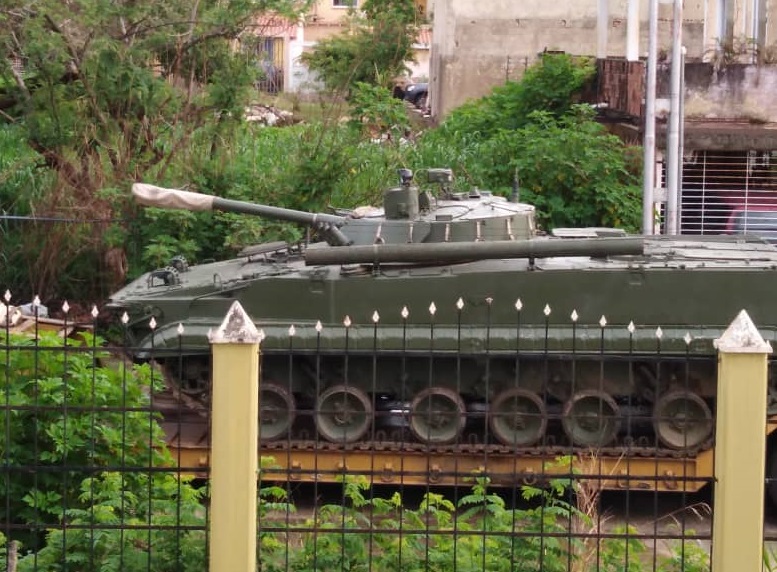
[(442, 314)]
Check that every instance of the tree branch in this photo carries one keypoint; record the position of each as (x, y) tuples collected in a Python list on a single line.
[(76, 62), (17, 76)]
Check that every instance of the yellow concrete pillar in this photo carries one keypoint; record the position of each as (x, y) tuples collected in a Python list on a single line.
[(740, 448), (234, 434)]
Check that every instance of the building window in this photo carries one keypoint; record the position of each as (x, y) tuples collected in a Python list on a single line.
[(345, 3)]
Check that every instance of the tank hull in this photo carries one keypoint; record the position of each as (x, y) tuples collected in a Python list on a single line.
[(698, 297), (543, 334)]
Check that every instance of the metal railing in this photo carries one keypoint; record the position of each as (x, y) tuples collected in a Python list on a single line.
[(590, 456)]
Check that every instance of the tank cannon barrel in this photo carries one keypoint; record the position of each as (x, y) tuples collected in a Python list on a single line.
[(153, 196), (466, 251)]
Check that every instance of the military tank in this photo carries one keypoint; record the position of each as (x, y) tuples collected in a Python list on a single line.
[(352, 316)]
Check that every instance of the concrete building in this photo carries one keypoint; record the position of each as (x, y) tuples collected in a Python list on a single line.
[(481, 44)]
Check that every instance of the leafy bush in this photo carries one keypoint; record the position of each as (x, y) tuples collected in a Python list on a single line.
[(478, 533), (128, 525), (532, 131), (551, 85), (21, 185), (64, 411), (569, 168), (375, 112), (374, 51), (69, 422)]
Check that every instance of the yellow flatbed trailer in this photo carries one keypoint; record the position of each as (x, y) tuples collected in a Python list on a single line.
[(414, 464)]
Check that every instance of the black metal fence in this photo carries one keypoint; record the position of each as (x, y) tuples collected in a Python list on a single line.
[(87, 482), (372, 459)]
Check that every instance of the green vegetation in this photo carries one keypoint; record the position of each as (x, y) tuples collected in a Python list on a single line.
[(551, 86), (70, 425), (568, 167), (366, 533), (170, 114), (101, 518), (376, 113), (102, 94), (373, 51), (535, 132)]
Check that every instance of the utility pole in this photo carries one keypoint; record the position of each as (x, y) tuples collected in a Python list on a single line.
[(681, 139), (632, 31), (673, 130), (602, 28), (649, 143)]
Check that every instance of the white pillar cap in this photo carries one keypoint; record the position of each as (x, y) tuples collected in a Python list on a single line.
[(237, 328), (742, 337)]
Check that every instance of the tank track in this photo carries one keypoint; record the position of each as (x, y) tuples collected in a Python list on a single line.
[(486, 450)]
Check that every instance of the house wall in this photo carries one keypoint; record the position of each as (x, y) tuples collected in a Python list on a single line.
[(324, 12), (419, 70), (738, 91), (316, 32), (478, 45), (325, 20)]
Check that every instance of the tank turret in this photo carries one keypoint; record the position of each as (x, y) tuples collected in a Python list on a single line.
[(408, 216)]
